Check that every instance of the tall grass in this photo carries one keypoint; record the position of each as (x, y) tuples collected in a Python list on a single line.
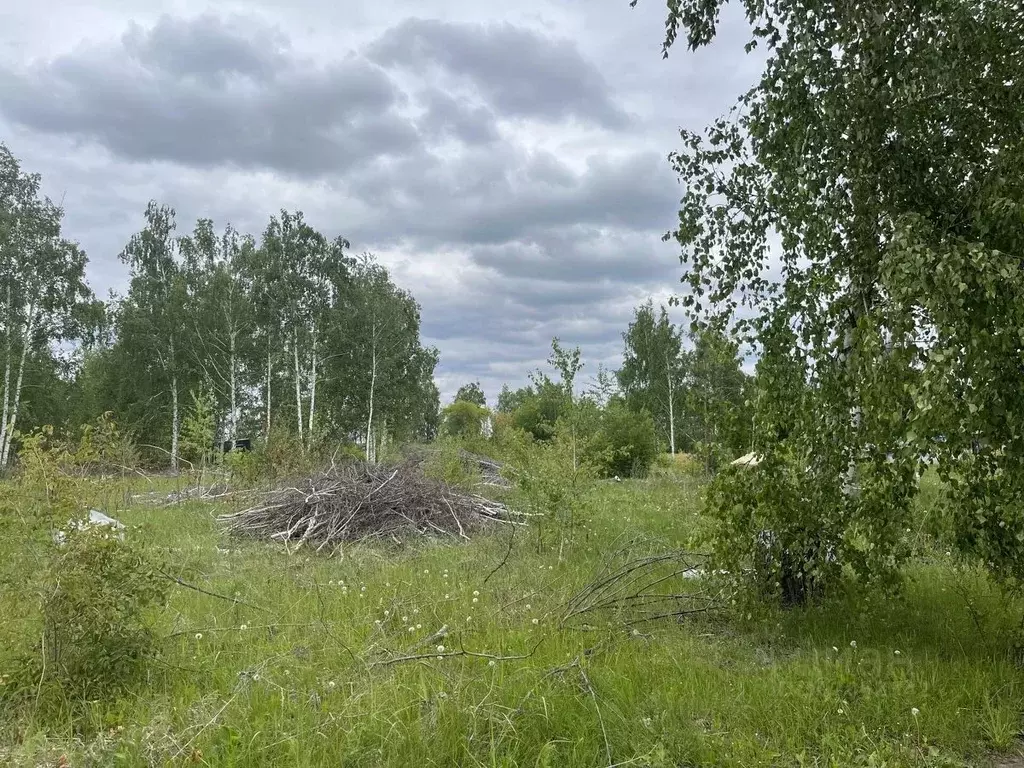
[(308, 677)]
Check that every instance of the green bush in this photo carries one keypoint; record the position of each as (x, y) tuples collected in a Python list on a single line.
[(626, 445), (463, 419), (83, 593), (98, 592)]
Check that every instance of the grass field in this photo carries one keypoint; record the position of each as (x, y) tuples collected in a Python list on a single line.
[(312, 677)]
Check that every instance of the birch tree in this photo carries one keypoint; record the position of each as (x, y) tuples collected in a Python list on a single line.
[(153, 315), (881, 149), (386, 363), (220, 313), (306, 275), (652, 369), (41, 284)]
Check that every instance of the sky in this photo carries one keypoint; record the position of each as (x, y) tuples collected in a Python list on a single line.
[(508, 162)]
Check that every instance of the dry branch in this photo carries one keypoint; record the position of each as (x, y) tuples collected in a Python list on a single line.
[(645, 589), (361, 501)]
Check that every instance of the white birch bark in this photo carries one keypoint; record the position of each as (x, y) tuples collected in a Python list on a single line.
[(371, 454), (269, 367), (7, 379), (16, 401), (671, 409), (298, 385), (312, 389), (232, 421)]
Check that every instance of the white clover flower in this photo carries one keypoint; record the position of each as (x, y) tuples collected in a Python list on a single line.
[(853, 643), (915, 711), (476, 593), (199, 635), (377, 622), (415, 610), (476, 599), (536, 621), (362, 589), (426, 571), (412, 629), (243, 627), (490, 663), (897, 652), (835, 649), (419, 626), (256, 676), (528, 606), (440, 649), (840, 711), (330, 683), (405, 619), (447, 596)]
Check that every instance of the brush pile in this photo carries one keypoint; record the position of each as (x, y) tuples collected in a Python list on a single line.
[(361, 501)]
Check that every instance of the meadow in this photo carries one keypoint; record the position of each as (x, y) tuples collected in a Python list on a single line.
[(429, 653)]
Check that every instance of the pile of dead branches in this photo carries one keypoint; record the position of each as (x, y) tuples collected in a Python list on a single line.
[(361, 501)]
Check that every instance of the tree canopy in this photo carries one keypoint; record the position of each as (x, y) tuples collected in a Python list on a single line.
[(858, 218)]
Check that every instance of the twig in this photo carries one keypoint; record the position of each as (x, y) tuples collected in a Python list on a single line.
[(235, 600), (498, 567), (452, 654)]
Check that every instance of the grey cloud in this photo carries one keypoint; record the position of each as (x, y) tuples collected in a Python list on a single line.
[(500, 195), (521, 72), (196, 93), (447, 117)]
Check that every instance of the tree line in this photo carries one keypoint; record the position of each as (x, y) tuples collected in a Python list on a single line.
[(286, 333), (674, 392)]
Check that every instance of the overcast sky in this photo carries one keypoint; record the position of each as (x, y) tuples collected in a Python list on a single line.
[(508, 162)]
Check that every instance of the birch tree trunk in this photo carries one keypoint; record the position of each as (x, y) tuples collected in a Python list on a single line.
[(9, 426), (298, 385), (269, 367), (7, 381), (312, 389), (232, 421), (175, 422), (371, 454), (671, 413)]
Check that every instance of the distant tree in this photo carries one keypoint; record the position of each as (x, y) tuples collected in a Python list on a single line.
[(471, 393), (153, 319), (511, 399), (464, 419), (652, 370), (716, 388), (42, 285)]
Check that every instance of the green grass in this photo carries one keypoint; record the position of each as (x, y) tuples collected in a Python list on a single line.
[(926, 679)]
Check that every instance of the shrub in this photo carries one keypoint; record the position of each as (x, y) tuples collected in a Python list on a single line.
[(85, 595), (99, 588), (463, 419), (626, 445)]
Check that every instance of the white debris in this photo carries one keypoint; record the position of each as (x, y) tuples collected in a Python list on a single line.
[(747, 460), (94, 520)]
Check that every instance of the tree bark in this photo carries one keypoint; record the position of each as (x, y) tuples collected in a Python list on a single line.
[(312, 389), (175, 422), (298, 386), (269, 367), (9, 426), (671, 413), (7, 380), (232, 421), (371, 454)]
